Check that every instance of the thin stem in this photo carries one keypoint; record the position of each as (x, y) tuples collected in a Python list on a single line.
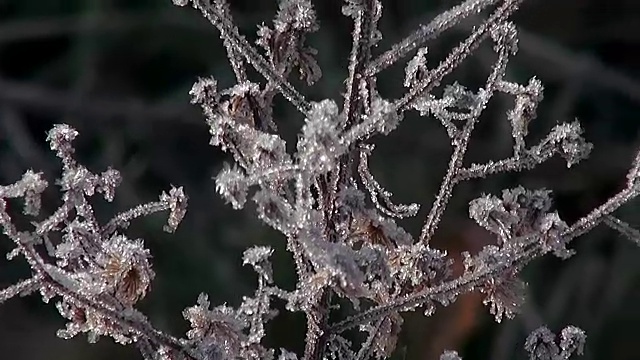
[(317, 328), (23, 287), (424, 33), (364, 24), (446, 188), (235, 57), (623, 228), (461, 143)]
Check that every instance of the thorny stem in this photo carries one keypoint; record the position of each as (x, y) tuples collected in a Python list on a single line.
[(600, 213), (230, 32), (528, 159), (424, 33), (318, 316)]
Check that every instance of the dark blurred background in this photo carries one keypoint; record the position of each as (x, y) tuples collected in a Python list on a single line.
[(119, 71)]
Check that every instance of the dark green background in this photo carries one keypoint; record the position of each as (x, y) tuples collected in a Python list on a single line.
[(119, 72)]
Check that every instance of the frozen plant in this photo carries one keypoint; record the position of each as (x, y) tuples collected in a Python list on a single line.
[(338, 221)]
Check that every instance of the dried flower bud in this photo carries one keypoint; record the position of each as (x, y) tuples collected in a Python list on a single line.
[(126, 268), (177, 201)]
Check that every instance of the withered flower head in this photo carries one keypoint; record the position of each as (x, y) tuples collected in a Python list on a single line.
[(126, 268)]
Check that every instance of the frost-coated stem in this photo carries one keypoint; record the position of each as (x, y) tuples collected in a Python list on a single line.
[(448, 183), (364, 24), (424, 33), (317, 328), (457, 55), (23, 287), (461, 143)]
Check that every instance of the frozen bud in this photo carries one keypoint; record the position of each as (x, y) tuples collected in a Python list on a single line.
[(572, 340), (297, 15), (232, 185), (520, 213), (33, 185), (505, 295), (418, 264), (177, 201), (535, 89), (308, 67), (551, 228), (265, 36), (79, 178), (258, 257), (459, 97), (528, 206), (267, 150), (60, 138), (287, 355), (567, 140), (109, 181), (540, 344), (490, 213), (205, 90), (180, 2), (220, 325)]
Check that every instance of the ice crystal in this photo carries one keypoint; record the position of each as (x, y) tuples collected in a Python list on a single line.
[(232, 185)]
